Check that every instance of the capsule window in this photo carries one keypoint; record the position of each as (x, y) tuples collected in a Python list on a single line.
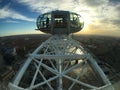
[(74, 20), (44, 21), (81, 22)]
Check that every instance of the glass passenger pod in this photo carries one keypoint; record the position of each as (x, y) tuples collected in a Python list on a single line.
[(44, 22), (60, 22)]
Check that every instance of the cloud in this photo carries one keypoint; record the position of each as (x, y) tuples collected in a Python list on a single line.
[(11, 21), (48, 5), (94, 3), (103, 14), (5, 12)]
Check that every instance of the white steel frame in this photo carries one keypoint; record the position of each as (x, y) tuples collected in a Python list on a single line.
[(61, 49)]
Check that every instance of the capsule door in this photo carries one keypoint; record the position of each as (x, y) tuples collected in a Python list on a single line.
[(60, 22)]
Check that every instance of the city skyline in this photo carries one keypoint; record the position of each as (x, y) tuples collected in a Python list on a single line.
[(101, 17)]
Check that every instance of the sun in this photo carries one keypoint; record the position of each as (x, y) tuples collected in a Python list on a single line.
[(86, 18), (87, 22)]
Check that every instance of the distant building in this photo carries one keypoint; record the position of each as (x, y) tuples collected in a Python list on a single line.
[(9, 55), (27, 38), (1, 60), (91, 46)]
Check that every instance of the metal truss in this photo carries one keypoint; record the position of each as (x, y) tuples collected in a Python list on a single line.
[(60, 63)]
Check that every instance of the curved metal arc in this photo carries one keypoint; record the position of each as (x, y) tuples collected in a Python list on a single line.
[(79, 82)]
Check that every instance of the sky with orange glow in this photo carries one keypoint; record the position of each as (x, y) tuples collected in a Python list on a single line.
[(102, 17)]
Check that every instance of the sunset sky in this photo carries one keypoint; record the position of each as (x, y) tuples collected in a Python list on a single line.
[(102, 17)]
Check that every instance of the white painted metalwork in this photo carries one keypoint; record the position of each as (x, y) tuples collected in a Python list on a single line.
[(60, 63)]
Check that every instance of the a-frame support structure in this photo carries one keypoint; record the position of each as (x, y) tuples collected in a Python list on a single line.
[(60, 63)]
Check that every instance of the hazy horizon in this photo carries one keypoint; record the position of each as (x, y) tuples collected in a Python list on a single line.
[(101, 17), (76, 34)]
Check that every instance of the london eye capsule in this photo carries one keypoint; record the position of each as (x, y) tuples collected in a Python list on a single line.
[(60, 22)]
